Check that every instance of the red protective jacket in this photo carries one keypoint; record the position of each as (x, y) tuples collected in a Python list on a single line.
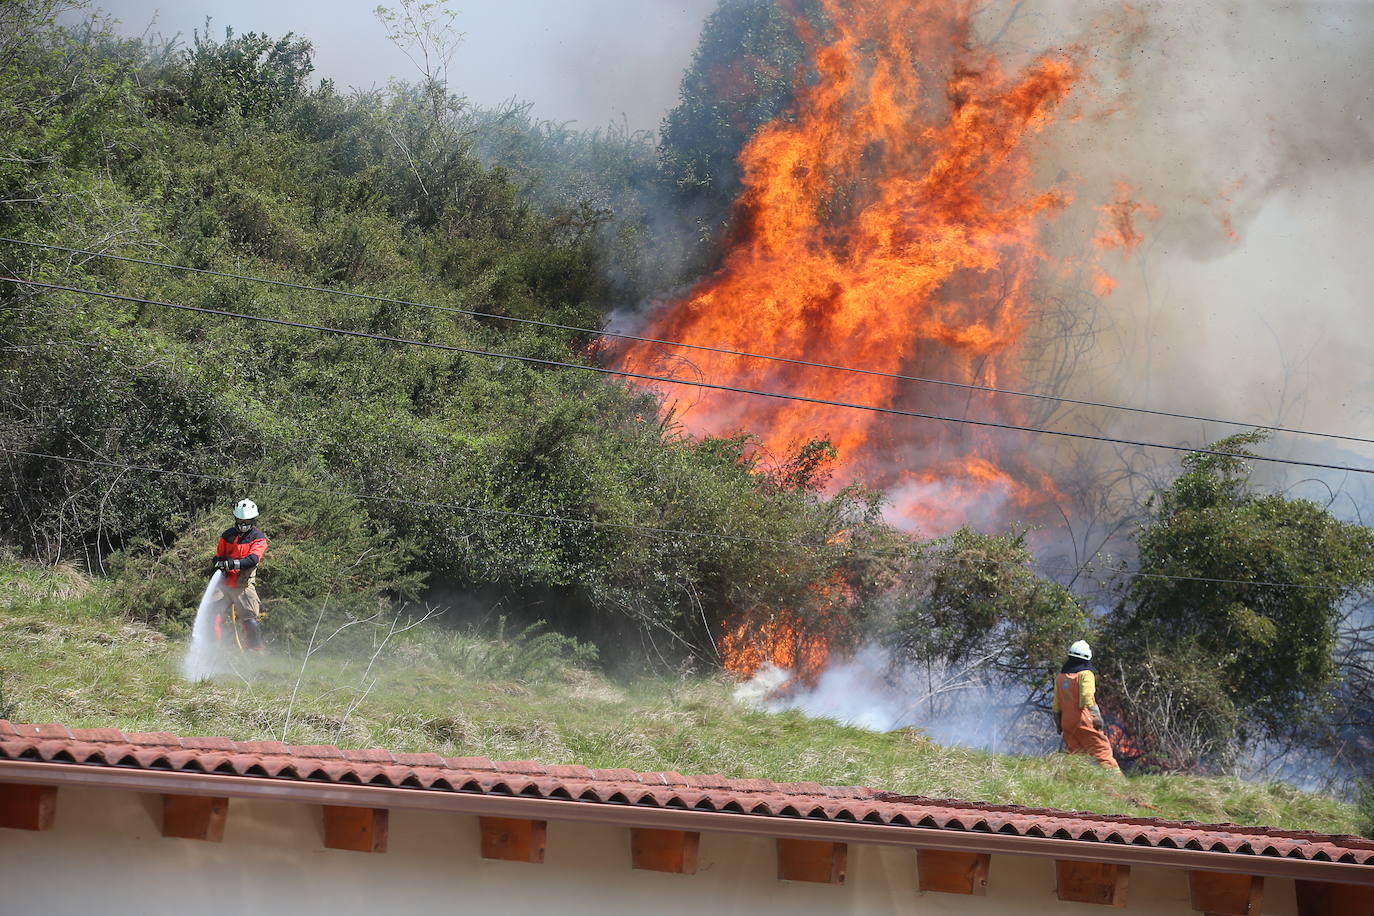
[(246, 547)]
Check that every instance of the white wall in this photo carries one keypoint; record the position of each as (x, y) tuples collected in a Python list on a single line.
[(107, 855)]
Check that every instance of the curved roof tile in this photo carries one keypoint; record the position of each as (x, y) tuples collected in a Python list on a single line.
[(751, 797)]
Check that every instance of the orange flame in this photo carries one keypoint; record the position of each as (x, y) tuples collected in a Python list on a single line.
[(1124, 744), (976, 490), (781, 640), (890, 225), (800, 645)]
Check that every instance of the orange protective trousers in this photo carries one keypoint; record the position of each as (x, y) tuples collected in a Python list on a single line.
[(1080, 735)]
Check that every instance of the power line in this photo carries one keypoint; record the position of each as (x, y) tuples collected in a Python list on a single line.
[(872, 408), (966, 386), (1115, 570), (624, 526), (401, 500)]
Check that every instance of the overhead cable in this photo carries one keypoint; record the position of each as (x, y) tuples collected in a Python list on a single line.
[(623, 526), (966, 386), (401, 500), (603, 370)]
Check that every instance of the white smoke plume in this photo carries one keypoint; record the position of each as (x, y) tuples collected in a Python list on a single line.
[(869, 691), (1240, 136)]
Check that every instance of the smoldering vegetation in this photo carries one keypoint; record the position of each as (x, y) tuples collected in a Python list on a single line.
[(952, 706)]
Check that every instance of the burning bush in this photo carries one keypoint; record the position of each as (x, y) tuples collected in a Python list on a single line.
[(890, 222), (1170, 712)]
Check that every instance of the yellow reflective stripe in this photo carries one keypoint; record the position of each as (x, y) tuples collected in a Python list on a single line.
[(1087, 690)]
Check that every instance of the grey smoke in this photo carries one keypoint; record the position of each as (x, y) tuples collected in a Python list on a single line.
[(868, 690), (1262, 111)]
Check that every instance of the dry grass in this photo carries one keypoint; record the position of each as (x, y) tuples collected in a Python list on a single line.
[(65, 659)]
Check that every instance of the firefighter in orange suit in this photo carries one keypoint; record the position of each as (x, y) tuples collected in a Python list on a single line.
[(1076, 715), (238, 556)]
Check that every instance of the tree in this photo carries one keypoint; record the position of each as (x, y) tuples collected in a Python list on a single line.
[(972, 605), (1251, 587), (424, 31), (743, 75)]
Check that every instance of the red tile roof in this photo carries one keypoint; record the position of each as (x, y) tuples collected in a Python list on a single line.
[(431, 773)]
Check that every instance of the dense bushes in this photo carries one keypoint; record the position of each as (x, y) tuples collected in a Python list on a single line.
[(325, 556), (972, 603), (1232, 631), (473, 472)]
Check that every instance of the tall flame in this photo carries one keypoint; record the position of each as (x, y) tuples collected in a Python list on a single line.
[(889, 225)]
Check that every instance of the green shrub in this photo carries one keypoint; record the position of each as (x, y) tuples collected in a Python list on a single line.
[(972, 599)]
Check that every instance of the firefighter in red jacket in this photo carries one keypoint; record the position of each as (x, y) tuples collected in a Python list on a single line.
[(1076, 715), (238, 556)]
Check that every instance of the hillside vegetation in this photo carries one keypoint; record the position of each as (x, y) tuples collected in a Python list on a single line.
[(65, 657), (387, 467), (416, 404)]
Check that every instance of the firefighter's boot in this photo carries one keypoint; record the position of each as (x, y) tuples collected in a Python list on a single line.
[(253, 633)]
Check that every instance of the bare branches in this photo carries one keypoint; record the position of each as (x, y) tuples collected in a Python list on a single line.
[(1176, 717), (305, 660), (424, 32)]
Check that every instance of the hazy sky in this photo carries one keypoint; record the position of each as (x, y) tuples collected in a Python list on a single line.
[(589, 61)]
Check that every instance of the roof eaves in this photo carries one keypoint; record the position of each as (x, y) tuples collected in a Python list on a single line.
[(670, 818)]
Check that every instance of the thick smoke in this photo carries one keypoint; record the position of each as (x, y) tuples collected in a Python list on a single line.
[(1248, 130)]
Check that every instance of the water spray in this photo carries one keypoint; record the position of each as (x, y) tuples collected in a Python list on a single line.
[(202, 658)]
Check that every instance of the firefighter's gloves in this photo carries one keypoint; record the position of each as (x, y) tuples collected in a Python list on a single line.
[(1098, 722), (221, 564), (1058, 726)]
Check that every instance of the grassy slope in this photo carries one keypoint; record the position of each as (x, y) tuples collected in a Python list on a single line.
[(64, 659)]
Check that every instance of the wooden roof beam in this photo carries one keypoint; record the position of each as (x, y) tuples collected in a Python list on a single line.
[(194, 817), (950, 872), (673, 851), (355, 829), (1092, 882), (27, 807), (1221, 894), (1319, 898), (513, 839), (817, 861)]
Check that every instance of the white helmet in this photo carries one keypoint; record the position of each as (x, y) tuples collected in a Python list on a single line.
[(1082, 650), (246, 510)]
